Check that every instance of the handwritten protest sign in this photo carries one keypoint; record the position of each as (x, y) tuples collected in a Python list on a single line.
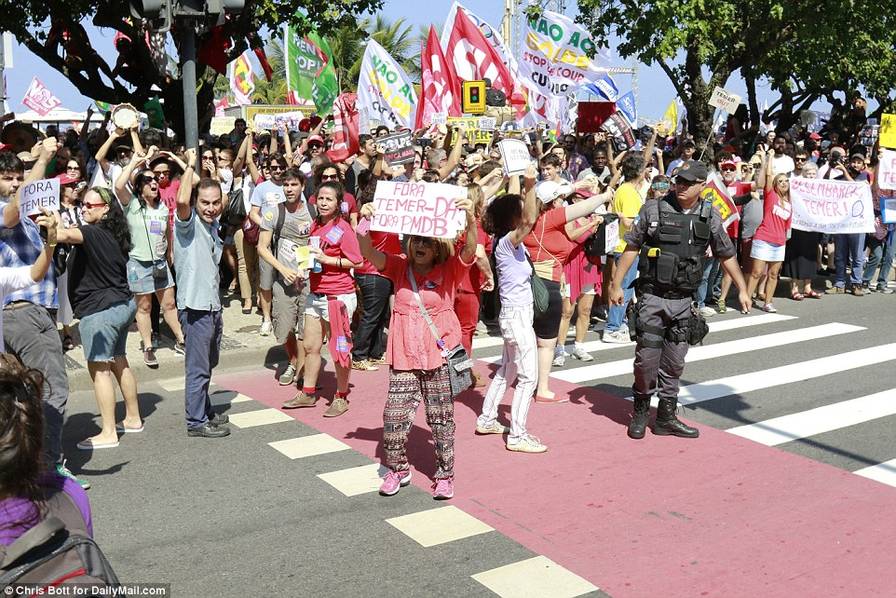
[(272, 121), (887, 174), (888, 130), (424, 209), (724, 100), (477, 128), (515, 155), (399, 148), (831, 206), (39, 194), (222, 125)]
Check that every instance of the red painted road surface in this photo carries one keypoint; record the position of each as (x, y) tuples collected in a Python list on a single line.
[(716, 516)]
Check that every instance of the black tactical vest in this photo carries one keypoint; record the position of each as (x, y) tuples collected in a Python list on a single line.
[(671, 259)]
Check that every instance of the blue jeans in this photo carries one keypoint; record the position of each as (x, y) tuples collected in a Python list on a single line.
[(710, 284), (202, 337), (881, 253), (616, 313), (851, 249)]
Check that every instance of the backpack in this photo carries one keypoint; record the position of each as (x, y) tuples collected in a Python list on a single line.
[(57, 551)]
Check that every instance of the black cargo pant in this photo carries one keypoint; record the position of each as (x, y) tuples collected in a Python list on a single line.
[(659, 362)]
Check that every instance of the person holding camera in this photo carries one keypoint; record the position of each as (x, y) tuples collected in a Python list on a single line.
[(669, 238), (148, 261)]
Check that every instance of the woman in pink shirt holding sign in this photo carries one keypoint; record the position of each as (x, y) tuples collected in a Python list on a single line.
[(332, 300), (770, 239), (417, 365)]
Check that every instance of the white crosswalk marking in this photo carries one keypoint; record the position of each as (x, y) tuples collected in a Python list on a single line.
[(717, 326), (786, 428), (786, 374), (746, 345), (885, 472)]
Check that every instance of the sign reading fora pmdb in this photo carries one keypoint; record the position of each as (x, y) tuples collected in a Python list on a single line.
[(423, 209), (724, 100), (39, 194), (515, 155)]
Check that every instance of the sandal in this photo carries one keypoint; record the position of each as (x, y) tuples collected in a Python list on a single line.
[(797, 296), (813, 294), (67, 343)]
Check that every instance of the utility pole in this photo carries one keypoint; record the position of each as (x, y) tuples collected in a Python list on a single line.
[(188, 78)]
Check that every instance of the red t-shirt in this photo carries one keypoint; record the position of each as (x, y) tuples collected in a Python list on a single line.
[(473, 282), (337, 239), (548, 240), (349, 203), (735, 189), (775, 220), (387, 243)]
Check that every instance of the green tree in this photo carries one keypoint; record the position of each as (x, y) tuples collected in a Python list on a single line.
[(348, 44), (53, 32)]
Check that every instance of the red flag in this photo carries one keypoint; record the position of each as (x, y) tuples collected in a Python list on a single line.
[(440, 89), (473, 58), (263, 61), (213, 51), (346, 128)]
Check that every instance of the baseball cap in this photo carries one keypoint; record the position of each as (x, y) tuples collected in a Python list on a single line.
[(692, 171), (65, 179), (857, 155), (548, 191), (814, 136), (729, 164)]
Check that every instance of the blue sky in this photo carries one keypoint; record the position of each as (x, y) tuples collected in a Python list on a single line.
[(654, 89)]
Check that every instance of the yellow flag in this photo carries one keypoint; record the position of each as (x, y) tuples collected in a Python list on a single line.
[(670, 119)]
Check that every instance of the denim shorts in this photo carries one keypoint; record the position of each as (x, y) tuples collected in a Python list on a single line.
[(142, 282), (767, 252), (105, 333)]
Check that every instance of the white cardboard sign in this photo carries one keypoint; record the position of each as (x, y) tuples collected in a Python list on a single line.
[(422, 209), (887, 173), (515, 155), (39, 194), (724, 100), (831, 206)]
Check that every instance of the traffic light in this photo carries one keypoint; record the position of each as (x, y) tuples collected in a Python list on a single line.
[(473, 97)]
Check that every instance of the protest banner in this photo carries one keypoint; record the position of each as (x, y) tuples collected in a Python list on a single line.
[(887, 173), (37, 195), (724, 100), (424, 209), (831, 206), (619, 131), (627, 107), (222, 125), (399, 148), (474, 125), (242, 79), (556, 57), (310, 74), (515, 155), (888, 130), (270, 122), (385, 92), (717, 194), (438, 84), (39, 98)]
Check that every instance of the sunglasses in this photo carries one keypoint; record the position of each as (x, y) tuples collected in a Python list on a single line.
[(275, 167), (329, 177), (149, 179), (162, 172), (78, 168), (729, 169), (90, 206)]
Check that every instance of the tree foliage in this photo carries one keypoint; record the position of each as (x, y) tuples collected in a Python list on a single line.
[(52, 31), (805, 50)]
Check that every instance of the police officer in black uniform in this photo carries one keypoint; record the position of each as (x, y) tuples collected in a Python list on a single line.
[(671, 235)]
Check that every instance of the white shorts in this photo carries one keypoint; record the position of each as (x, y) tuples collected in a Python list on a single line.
[(316, 305), (767, 252), (588, 289)]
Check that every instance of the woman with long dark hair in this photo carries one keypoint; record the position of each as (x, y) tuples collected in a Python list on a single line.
[(150, 256), (28, 491), (332, 300), (102, 300)]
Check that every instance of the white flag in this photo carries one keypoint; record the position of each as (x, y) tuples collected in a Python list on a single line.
[(385, 92), (242, 80)]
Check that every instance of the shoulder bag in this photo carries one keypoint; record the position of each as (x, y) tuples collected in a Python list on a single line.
[(460, 366)]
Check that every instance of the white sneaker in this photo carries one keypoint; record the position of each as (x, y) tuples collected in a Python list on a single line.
[(266, 328), (559, 357), (493, 428), (618, 337), (707, 312), (581, 354), (527, 444)]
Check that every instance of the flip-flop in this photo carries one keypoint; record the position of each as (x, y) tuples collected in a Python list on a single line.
[(123, 430), (87, 445)]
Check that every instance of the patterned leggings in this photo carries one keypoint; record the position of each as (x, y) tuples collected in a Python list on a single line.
[(406, 390)]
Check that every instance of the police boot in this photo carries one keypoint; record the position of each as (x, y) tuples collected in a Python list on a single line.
[(668, 425), (640, 412)]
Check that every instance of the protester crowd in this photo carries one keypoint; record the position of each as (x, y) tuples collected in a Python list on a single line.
[(148, 232)]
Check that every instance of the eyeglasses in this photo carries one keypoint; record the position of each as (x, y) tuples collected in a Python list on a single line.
[(208, 157), (799, 159), (329, 177)]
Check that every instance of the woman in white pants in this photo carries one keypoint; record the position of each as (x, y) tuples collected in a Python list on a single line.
[(510, 219)]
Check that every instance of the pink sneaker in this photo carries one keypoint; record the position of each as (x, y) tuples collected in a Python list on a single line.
[(443, 489), (393, 482)]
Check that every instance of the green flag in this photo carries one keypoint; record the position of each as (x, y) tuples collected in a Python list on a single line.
[(310, 75)]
